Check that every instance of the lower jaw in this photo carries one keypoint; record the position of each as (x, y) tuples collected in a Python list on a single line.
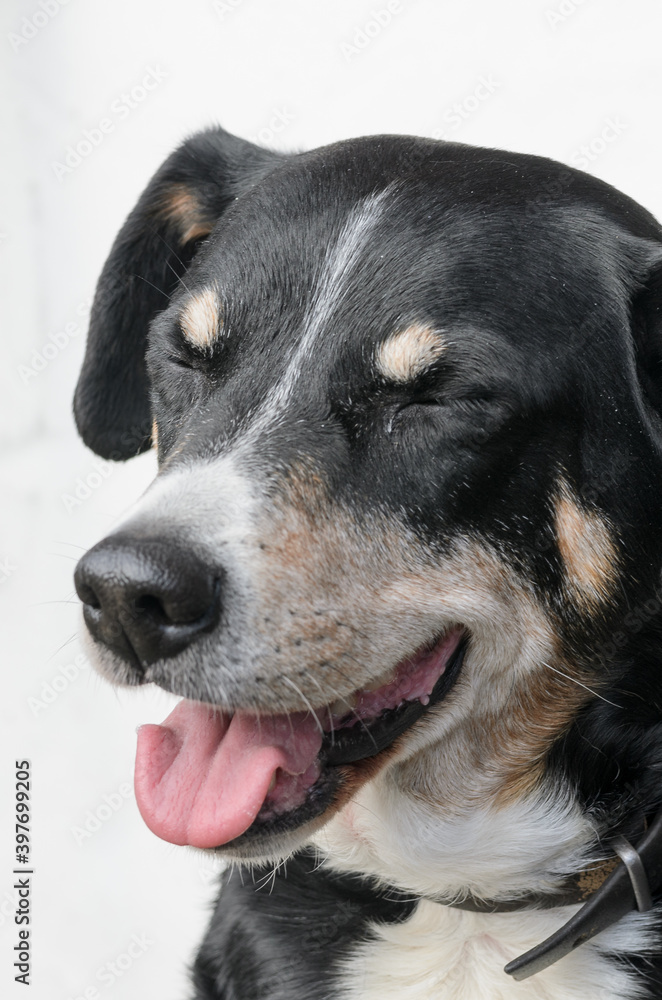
[(267, 839), (271, 836)]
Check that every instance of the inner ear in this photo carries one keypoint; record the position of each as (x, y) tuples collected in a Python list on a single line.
[(182, 208), (174, 215)]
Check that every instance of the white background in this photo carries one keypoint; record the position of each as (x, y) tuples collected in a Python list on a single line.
[(558, 73)]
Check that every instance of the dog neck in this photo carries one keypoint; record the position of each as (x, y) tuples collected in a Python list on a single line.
[(609, 891)]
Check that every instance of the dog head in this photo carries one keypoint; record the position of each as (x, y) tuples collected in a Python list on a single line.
[(406, 397)]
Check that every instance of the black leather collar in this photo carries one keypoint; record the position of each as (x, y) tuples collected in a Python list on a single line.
[(609, 891)]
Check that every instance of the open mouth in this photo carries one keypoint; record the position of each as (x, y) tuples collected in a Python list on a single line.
[(207, 778)]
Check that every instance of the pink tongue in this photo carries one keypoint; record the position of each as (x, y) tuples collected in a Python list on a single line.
[(201, 778)]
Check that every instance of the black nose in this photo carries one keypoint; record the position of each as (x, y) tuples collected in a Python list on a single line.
[(146, 599)]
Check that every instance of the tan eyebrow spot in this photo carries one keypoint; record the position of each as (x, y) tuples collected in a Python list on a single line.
[(587, 550), (406, 354), (201, 319), (182, 206)]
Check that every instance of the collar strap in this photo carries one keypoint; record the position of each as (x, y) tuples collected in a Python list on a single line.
[(631, 886), (578, 888), (609, 891)]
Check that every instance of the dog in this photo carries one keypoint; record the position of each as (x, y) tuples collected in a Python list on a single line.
[(401, 561)]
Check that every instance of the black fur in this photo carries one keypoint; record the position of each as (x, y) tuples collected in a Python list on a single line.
[(280, 934)]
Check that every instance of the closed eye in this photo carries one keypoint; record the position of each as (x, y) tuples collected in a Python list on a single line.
[(180, 362), (412, 406), (430, 409), (193, 361), (466, 403)]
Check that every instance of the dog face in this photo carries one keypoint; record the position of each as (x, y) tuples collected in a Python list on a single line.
[(407, 405)]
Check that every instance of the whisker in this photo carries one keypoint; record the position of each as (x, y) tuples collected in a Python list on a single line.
[(353, 711), (311, 677), (155, 287), (320, 860), (171, 249), (585, 686), (310, 707), (60, 648), (179, 277), (270, 876), (61, 600), (339, 697)]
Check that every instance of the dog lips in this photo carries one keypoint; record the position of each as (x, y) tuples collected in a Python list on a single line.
[(202, 777)]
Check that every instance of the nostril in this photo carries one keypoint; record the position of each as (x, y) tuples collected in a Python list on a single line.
[(88, 595), (152, 607), (190, 607)]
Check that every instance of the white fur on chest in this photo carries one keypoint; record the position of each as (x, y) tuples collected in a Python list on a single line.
[(447, 954)]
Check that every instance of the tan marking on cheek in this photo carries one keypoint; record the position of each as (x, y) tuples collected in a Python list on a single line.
[(406, 354), (181, 206), (201, 319), (588, 552), (539, 713), (155, 435)]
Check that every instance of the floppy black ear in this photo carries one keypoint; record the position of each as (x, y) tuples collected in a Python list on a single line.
[(179, 207)]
